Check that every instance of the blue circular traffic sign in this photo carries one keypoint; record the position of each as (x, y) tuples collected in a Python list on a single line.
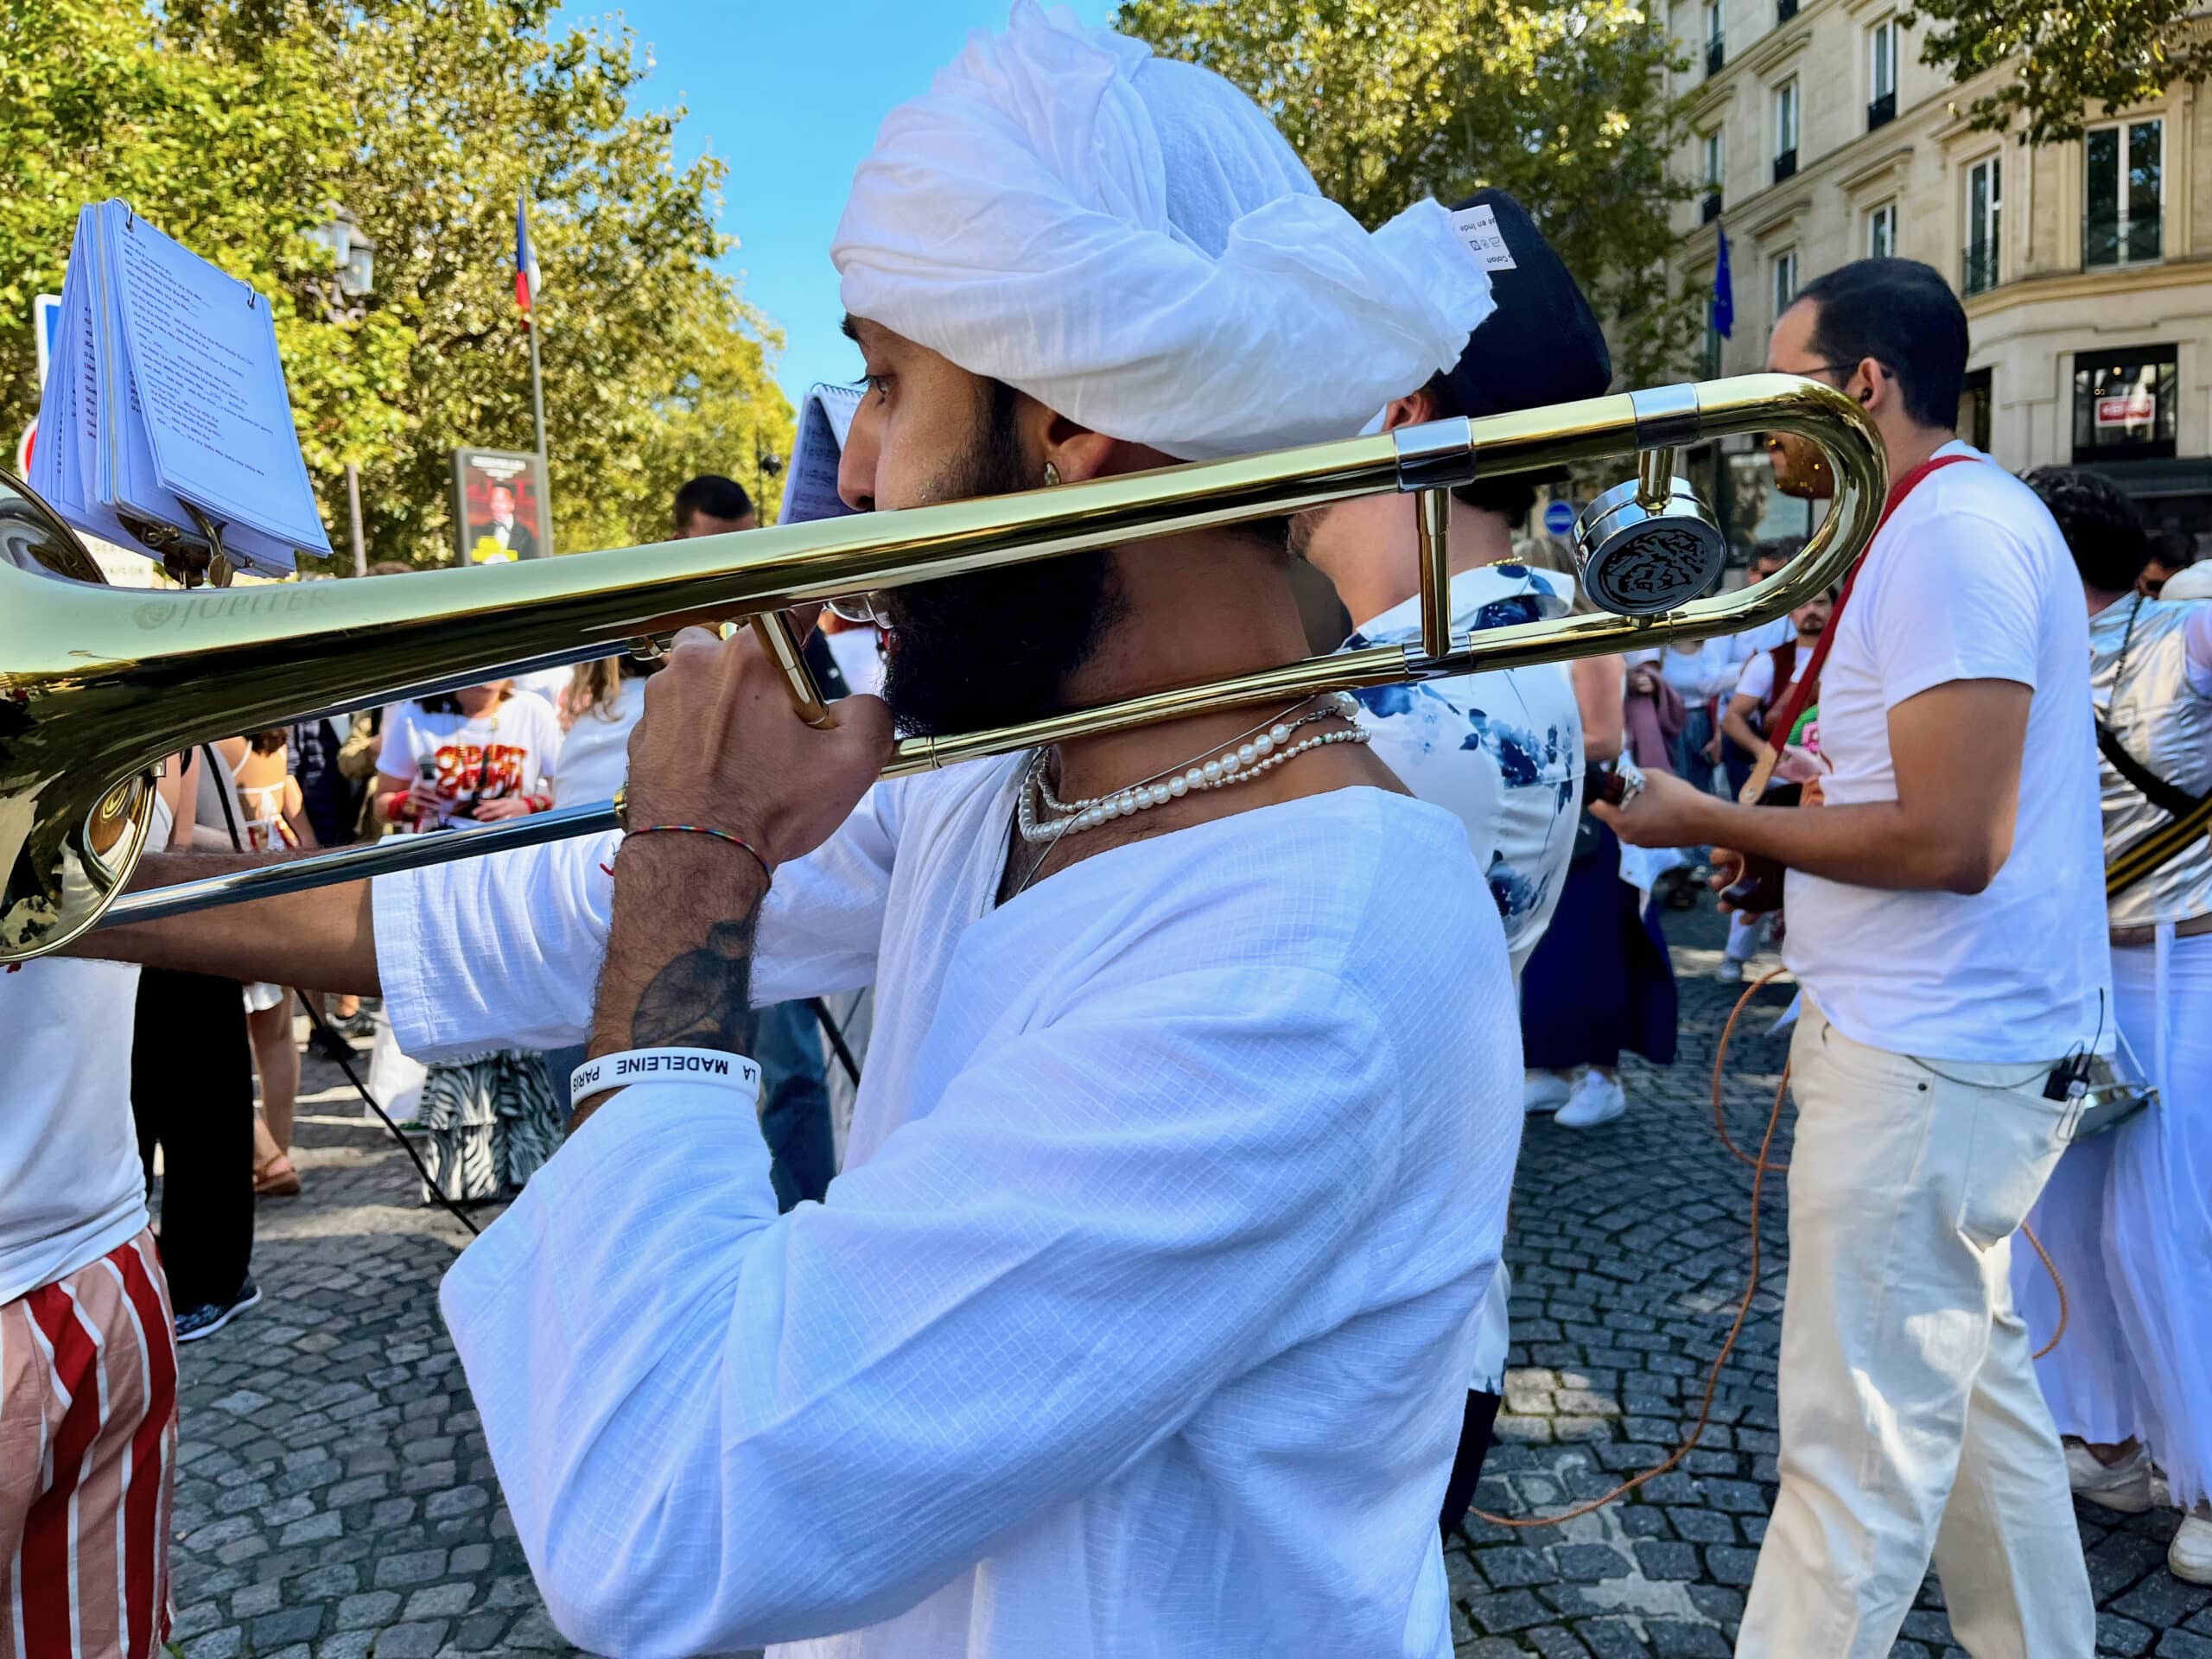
[(1559, 518)]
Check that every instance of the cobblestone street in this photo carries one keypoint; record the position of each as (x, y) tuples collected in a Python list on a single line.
[(335, 1497)]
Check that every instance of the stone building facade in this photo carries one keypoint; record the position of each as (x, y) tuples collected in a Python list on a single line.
[(1816, 136)]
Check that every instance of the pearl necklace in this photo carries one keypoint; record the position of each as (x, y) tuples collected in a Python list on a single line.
[(1249, 747), (1259, 751)]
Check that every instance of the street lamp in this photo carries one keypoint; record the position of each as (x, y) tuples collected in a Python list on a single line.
[(355, 256), (357, 272), (355, 280), (766, 465)]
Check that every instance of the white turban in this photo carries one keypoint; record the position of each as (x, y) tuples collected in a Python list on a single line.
[(1128, 240)]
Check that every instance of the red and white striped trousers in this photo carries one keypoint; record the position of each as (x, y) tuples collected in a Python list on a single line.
[(87, 1461)]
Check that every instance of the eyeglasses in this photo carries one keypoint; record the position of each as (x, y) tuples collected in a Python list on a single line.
[(1846, 370)]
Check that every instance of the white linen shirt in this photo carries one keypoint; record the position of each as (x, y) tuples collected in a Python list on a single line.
[(1969, 580), (1139, 1319)]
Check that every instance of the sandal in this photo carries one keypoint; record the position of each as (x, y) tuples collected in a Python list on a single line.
[(276, 1179)]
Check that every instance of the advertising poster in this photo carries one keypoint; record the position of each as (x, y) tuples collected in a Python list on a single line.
[(500, 507)]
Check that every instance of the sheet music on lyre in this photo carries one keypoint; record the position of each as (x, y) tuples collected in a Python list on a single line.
[(825, 415), (165, 411)]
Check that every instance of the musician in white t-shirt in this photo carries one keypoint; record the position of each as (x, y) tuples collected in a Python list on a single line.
[(1946, 923)]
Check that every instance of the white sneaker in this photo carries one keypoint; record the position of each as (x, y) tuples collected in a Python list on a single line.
[(1730, 972), (1544, 1091), (2125, 1486), (1597, 1099), (2189, 1558)]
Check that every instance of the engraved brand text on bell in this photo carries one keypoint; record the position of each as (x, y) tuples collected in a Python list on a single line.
[(275, 600)]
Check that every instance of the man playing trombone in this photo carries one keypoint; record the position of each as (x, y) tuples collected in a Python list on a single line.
[(1134, 1325)]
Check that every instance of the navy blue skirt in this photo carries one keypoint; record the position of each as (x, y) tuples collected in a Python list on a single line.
[(1600, 980)]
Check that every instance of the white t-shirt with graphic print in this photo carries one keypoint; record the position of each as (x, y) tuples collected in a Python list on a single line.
[(512, 748)]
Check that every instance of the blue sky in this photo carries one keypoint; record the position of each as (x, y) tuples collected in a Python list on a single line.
[(789, 94)]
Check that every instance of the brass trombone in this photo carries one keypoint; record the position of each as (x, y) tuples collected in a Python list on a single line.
[(97, 686)]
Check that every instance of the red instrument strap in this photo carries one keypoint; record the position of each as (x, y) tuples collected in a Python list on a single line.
[(1784, 718)]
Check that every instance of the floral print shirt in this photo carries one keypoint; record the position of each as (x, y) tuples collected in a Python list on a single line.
[(1502, 750)]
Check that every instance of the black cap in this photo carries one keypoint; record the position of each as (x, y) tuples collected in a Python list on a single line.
[(1542, 345)]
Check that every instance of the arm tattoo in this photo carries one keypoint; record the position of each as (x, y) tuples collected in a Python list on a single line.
[(703, 998)]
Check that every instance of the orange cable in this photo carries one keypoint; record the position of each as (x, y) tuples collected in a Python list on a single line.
[(1713, 1375), (2057, 1284), (1721, 1060), (1760, 1167)]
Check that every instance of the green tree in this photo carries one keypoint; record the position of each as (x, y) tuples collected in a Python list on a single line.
[(1564, 105), (2063, 58), (92, 105), (240, 126)]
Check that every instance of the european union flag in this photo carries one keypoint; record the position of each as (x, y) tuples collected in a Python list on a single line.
[(1724, 293)]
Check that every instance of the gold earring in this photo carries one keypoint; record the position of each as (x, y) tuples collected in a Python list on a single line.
[(1052, 474)]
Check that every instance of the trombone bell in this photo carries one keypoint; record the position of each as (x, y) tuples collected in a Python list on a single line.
[(96, 687)]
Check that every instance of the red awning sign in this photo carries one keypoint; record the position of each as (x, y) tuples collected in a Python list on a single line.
[(2127, 409)]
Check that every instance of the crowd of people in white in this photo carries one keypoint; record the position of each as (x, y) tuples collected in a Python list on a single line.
[(1157, 1304)]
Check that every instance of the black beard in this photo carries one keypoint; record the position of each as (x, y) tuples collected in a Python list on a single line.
[(965, 653)]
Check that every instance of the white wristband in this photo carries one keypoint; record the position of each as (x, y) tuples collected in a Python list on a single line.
[(618, 1071)]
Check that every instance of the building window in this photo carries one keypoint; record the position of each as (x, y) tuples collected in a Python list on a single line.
[(1973, 410), (1715, 27), (1985, 224), (1881, 107), (1786, 280), (1785, 130), (1882, 231), (2124, 194), (1716, 165), (2124, 404), (1783, 11), (1710, 360)]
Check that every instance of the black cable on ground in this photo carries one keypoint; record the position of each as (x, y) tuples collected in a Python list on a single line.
[(316, 1018)]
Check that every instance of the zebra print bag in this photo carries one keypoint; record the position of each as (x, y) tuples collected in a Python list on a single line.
[(490, 1123)]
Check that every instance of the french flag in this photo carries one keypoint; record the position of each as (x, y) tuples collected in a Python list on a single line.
[(528, 283)]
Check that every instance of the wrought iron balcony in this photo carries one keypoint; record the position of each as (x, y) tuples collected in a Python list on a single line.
[(1783, 11), (1881, 111), (2108, 239), (1785, 164), (1714, 56), (1709, 209), (1980, 273)]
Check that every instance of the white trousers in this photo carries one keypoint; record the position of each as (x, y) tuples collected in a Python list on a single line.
[(1911, 1423), (2127, 1220), (1745, 933)]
